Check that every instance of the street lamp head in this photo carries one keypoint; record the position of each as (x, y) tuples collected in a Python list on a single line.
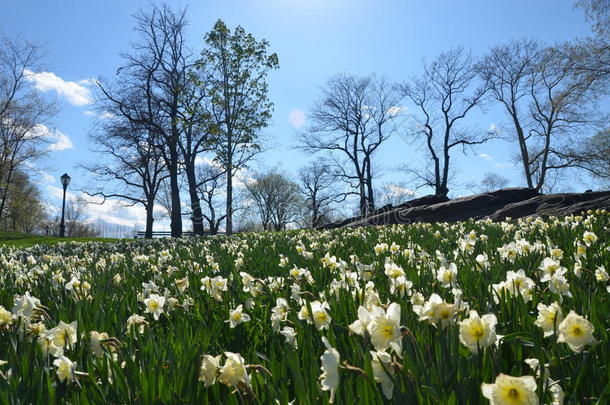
[(65, 180)]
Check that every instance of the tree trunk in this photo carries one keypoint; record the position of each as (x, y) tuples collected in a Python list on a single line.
[(149, 219), (524, 153), (176, 212), (369, 188), (443, 189), (196, 214), (362, 192), (9, 174), (543, 165), (229, 218)]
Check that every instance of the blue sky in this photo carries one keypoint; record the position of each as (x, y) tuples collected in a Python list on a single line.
[(314, 39)]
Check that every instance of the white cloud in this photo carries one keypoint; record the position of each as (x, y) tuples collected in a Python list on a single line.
[(57, 139), (393, 111), (113, 211), (499, 165), (395, 190), (47, 178), (201, 160), (75, 92), (60, 141), (106, 115), (296, 118), (89, 112)]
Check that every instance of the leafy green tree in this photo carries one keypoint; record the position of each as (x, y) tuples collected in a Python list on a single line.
[(233, 67), (24, 207)]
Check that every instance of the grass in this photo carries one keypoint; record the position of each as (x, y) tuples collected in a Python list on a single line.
[(18, 239)]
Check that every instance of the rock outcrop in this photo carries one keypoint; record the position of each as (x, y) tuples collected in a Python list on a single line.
[(555, 204), (418, 202), (497, 205)]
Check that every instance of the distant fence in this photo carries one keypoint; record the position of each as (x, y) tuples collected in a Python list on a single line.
[(167, 234)]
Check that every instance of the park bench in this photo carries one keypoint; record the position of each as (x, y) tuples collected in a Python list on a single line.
[(161, 234)]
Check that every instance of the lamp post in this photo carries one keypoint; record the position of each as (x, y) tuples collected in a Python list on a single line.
[(65, 180)]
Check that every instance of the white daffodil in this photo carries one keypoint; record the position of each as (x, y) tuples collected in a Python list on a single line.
[(233, 372), (65, 368), (154, 305), (436, 311), (447, 276), (64, 335), (482, 261), (589, 238), (329, 379), (6, 318), (136, 321), (25, 305), (359, 326), (209, 369), (237, 316), (281, 308), (319, 316), (95, 343), (45, 341), (549, 318), (601, 274), (478, 332), (182, 284), (576, 331), (291, 336), (384, 330), (400, 286), (393, 270), (383, 372), (508, 390)]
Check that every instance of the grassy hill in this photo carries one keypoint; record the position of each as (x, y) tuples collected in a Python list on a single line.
[(11, 238)]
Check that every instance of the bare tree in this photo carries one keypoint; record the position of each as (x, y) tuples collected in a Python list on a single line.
[(234, 67), (351, 119), (550, 103), (492, 181), (75, 218), (212, 182), (23, 113), (196, 138), (444, 94), (134, 169), (597, 13), (395, 193), (593, 155), (316, 182), (157, 72), (277, 200), (18, 59)]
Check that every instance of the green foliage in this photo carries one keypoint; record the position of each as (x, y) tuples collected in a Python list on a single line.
[(233, 68)]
